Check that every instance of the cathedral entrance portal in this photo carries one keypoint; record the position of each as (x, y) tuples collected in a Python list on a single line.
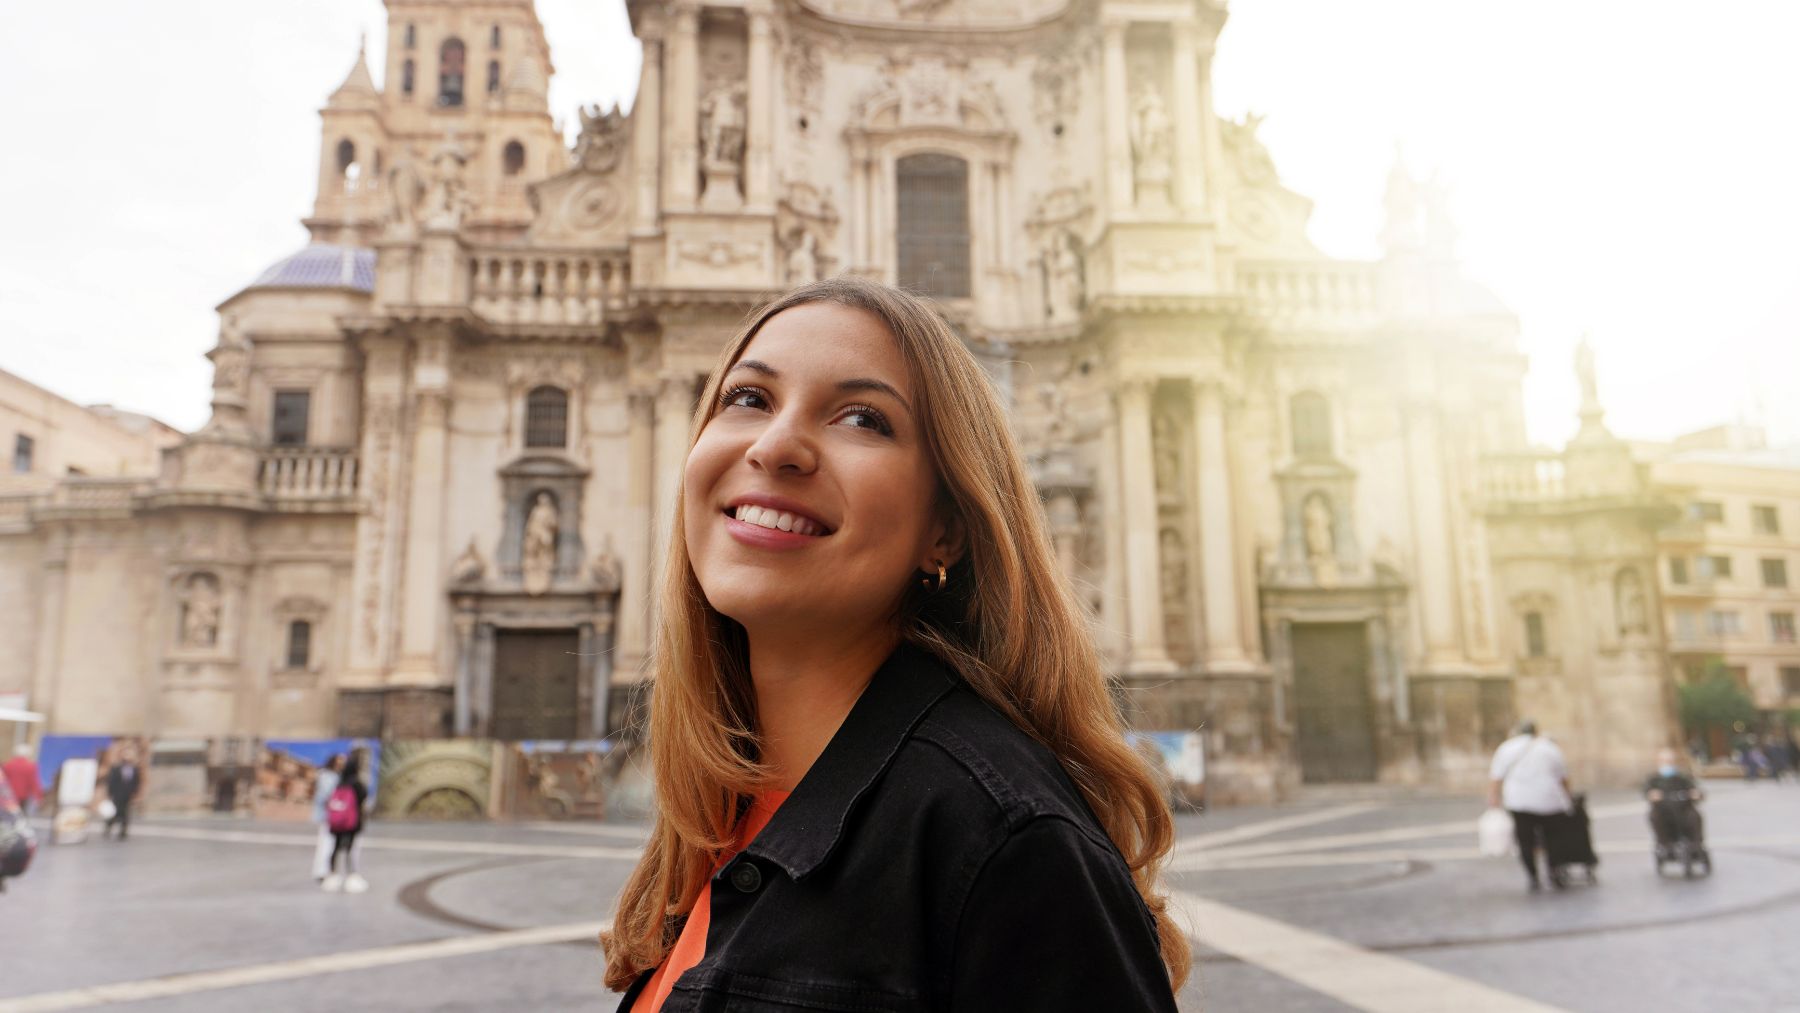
[(537, 684), (1335, 720)]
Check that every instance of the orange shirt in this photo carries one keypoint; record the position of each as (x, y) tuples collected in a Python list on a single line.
[(690, 946)]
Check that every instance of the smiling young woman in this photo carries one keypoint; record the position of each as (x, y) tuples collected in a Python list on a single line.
[(889, 774)]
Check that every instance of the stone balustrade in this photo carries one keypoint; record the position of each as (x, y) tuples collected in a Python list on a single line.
[(570, 288), (1334, 290), (1523, 478), (82, 493), (307, 473)]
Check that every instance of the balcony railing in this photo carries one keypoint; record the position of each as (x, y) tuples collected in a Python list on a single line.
[(307, 473), (574, 288), (83, 493), (1523, 478), (1324, 289)]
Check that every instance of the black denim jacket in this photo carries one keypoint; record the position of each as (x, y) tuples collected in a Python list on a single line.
[(934, 858)]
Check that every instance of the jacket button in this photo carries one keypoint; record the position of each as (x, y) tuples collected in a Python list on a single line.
[(746, 877)]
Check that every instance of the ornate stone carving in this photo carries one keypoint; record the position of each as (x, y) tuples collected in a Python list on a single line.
[(602, 138), (1056, 87), (804, 74), (405, 191), (1317, 523), (1173, 559), (446, 196), (803, 259), (607, 571), (1064, 278), (538, 557), (201, 607), (468, 567), (1151, 135), (720, 253), (1633, 612)]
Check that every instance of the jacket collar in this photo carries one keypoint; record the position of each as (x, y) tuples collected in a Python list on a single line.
[(809, 825)]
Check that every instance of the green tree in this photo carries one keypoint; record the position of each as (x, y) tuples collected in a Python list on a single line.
[(1716, 702)]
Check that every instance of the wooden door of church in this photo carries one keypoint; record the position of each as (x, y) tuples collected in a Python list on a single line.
[(537, 684), (1335, 717)]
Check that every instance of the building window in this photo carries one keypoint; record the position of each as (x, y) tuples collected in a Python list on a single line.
[(346, 156), (1678, 570), (288, 421), (1765, 520), (1687, 625), (406, 79), (547, 418), (1774, 572), (1534, 635), (1781, 627), (1790, 680), (512, 160), (494, 38), (1723, 623), (1713, 567), (412, 36), (933, 216), (22, 448), (299, 644), (1711, 513), (1311, 416), (450, 73), (493, 77)]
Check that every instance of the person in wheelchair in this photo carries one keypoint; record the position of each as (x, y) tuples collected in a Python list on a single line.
[(1674, 816)]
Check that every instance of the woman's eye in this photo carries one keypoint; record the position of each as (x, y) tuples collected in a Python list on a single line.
[(744, 397), (864, 417)]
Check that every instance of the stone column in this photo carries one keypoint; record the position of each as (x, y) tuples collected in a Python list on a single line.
[(682, 150), (646, 129), (1118, 120), (1212, 145), (638, 583), (602, 674), (758, 187), (481, 704), (1213, 495), (1436, 592), (51, 601), (1142, 554), (377, 529), (464, 717), (1191, 184), (674, 411), (424, 599)]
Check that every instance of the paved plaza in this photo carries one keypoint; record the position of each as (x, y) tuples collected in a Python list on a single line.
[(1330, 904)]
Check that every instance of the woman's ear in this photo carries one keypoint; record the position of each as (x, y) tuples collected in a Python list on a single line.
[(950, 539)]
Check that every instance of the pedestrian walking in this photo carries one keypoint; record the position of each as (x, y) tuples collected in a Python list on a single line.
[(1529, 778), (323, 788), (345, 815), (887, 766), (122, 784), (21, 773)]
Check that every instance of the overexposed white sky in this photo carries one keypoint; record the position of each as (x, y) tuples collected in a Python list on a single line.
[(1629, 170)]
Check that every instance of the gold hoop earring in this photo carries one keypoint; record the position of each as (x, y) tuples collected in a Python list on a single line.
[(925, 582)]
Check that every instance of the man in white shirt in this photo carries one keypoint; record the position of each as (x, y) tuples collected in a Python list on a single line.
[(1529, 778)]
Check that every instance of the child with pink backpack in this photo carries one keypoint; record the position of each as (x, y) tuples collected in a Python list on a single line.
[(344, 815)]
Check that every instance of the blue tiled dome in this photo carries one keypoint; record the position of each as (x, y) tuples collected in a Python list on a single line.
[(322, 265)]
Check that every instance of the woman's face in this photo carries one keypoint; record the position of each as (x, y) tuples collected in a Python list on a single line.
[(809, 494)]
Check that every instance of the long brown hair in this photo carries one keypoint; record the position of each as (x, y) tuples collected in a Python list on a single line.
[(1007, 623)]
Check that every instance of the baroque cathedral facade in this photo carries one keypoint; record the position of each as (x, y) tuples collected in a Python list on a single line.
[(1293, 490)]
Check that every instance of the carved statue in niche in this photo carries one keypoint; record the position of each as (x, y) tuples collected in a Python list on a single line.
[(200, 611), (722, 127), (1174, 590), (1062, 279), (538, 560), (803, 259), (607, 571), (602, 138), (1165, 437), (446, 197), (1321, 541), (1151, 130), (469, 567), (405, 190), (1634, 615), (231, 359)]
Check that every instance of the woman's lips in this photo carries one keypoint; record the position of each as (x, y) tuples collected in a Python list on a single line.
[(757, 536)]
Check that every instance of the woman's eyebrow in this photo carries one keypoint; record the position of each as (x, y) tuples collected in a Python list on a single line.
[(854, 383)]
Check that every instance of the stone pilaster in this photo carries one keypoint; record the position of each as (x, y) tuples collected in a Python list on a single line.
[(639, 582), (759, 190), (1120, 189), (681, 148), (674, 411), (1437, 595), (1213, 494), (1149, 653), (424, 599), (382, 523), (1190, 181), (646, 139)]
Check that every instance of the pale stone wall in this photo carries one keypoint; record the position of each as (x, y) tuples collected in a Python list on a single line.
[(68, 438)]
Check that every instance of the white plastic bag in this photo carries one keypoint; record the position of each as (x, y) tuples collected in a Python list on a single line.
[(106, 810), (1494, 831)]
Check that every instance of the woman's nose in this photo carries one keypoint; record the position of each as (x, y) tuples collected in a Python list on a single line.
[(782, 448)]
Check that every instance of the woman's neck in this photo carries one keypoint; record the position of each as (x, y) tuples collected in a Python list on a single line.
[(805, 687)]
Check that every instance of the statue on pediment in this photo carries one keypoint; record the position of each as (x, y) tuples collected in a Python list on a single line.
[(469, 567), (602, 138)]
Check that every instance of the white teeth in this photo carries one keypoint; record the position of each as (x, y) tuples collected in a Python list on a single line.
[(765, 518)]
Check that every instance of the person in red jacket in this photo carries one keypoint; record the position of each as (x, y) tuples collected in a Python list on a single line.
[(22, 777)]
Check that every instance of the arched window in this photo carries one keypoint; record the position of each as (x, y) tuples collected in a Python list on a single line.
[(1535, 644), (547, 417), (406, 78), (933, 219), (1311, 415), (346, 156), (412, 36), (450, 73), (512, 159), (494, 38), (299, 643), (493, 77)]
